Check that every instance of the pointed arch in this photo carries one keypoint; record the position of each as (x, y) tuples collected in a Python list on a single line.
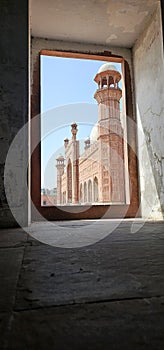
[(85, 192), (95, 189), (90, 191), (81, 193)]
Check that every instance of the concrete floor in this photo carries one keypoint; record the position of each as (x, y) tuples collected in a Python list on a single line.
[(108, 295)]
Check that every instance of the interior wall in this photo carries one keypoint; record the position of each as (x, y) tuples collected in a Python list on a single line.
[(13, 110), (148, 65), (149, 94)]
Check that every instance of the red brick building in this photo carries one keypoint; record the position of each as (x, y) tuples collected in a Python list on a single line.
[(97, 175), (48, 197)]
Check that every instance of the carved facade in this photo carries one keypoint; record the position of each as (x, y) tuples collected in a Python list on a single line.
[(97, 175)]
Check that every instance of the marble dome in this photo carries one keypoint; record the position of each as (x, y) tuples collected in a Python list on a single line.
[(94, 133), (60, 157), (107, 66)]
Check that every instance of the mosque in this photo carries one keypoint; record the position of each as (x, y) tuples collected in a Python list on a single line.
[(98, 174)]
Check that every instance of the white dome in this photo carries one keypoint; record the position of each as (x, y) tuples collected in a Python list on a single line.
[(60, 157), (107, 66), (94, 133)]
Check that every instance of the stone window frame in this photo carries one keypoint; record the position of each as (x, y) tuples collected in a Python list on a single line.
[(39, 212)]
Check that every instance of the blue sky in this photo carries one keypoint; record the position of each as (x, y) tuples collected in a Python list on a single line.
[(67, 89)]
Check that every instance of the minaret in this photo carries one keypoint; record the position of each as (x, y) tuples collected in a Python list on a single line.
[(60, 172), (75, 164), (110, 135)]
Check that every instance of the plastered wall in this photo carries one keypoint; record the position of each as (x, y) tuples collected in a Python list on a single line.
[(13, 109), (149, 94)]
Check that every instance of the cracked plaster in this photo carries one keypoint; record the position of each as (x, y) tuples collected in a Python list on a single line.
[(100, 21)]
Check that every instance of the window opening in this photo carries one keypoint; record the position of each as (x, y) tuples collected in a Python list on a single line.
[(86, 166)]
